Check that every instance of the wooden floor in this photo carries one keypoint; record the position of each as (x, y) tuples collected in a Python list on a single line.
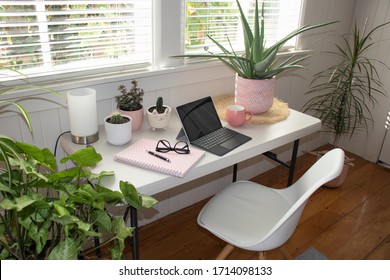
[(349, 222)]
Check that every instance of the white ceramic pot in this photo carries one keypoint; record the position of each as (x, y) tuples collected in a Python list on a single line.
[(257, 96), (156, 120), (118, 134)]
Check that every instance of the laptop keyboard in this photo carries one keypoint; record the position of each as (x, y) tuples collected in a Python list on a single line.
[(214, 138)]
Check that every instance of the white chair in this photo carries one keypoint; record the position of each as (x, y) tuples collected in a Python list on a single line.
[(254, 217)]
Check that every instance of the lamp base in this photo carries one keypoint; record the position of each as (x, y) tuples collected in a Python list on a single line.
[(85, 139)]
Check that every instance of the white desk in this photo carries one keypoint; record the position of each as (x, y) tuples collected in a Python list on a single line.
[(264, 139)]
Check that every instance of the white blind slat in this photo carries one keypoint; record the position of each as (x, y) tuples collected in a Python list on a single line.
[(42, 35)]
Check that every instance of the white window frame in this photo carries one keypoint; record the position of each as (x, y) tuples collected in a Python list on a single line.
[(168, 40)]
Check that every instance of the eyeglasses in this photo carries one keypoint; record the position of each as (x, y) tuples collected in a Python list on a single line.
[(180, 147)]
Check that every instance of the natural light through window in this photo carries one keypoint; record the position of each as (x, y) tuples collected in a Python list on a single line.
[(75, 38), (48, 36), (220, 20)]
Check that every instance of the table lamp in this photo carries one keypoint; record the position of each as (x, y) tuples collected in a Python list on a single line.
[(83, 115)]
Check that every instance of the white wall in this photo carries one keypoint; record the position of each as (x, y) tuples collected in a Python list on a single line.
[(49, 115)]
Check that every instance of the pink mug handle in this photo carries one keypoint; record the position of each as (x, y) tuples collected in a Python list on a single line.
[(249, 114)]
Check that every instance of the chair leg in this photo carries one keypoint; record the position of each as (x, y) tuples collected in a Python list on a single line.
[(261, 255), (225, 252)]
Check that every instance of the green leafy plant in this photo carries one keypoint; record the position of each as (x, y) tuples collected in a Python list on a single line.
[(345, 90), (130, 100), (49, 214), (258, 61)]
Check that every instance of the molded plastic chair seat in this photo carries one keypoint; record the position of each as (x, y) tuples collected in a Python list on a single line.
[(258, 218)]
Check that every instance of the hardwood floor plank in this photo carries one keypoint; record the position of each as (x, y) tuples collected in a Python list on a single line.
[(382, 251)]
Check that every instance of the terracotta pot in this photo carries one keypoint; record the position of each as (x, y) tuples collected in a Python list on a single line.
[(338, 181), (137, 117), (156, 120), (257, 96)]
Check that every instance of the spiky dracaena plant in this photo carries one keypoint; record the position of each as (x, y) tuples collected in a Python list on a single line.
[(259, 61), (345, 91)]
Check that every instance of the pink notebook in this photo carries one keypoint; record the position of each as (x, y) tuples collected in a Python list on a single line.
[(136, 154)]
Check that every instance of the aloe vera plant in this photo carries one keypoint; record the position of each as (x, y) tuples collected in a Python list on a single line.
[(258, 62)]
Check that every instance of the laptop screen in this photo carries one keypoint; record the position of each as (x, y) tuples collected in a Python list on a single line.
[(199, 118)]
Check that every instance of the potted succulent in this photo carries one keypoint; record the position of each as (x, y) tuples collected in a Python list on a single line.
[(129, 103), (118, 128), (256, 68), (49, 214), (345, 91), (159, 115)]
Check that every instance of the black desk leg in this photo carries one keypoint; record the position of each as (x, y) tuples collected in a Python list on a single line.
[(293, 161), (134, 224), (234, 172)]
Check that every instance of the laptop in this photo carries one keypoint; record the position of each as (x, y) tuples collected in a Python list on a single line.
[(203, 128)]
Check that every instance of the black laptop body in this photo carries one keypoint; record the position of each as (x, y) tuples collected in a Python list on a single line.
[(204, 129)]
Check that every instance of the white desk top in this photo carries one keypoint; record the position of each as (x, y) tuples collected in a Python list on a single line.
[(264, 138)]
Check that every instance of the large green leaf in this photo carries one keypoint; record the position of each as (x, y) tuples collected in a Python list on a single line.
[(121, 233), (19, 204), (148, 201), (130, 194), (102, 220), (42, 156), (84, 157), (67, 249)]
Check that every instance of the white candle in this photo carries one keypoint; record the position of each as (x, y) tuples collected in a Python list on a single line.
[(83, 115)]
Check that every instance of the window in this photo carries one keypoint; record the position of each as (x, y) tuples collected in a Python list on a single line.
[(221, 20), (47, 36)]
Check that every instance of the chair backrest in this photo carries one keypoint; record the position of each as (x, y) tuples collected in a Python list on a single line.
[(324, 170)]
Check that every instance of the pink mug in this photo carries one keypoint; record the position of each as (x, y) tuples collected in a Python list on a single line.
[(236, 115)]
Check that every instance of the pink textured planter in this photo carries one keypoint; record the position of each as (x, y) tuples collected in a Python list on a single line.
[(256, 96), (137, 117)]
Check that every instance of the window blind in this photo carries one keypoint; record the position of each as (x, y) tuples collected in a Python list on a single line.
[(221, 20), (44, 36)]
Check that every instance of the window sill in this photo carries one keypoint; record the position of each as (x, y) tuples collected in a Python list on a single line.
[(90, 80)]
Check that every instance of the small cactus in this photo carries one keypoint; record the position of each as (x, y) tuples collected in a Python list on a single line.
[(159, 105), (116, 118)]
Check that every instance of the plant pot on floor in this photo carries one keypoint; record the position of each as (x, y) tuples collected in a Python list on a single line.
[(257, 96), (338, 181), (158, 120), (118, 133)]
